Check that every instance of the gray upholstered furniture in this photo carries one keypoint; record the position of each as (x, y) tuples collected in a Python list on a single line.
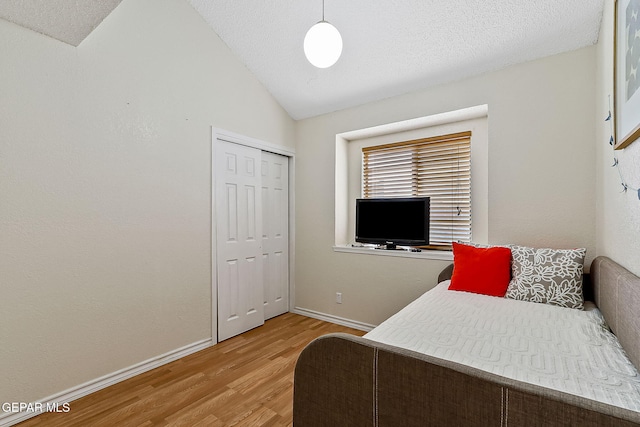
[(344, 380)]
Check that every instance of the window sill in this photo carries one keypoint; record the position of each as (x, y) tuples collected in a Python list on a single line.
[(424, 254)]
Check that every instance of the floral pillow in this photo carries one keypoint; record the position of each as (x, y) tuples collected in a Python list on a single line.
[(549, 276)]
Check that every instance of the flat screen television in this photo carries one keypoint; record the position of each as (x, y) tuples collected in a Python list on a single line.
[(393, 221)]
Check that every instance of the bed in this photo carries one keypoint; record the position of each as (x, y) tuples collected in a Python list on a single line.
[(390, 378)]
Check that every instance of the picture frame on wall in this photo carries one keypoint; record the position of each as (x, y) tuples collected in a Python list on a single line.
[(626, 47)]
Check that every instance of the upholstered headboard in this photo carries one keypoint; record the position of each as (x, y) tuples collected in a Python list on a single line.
[(617, 294)]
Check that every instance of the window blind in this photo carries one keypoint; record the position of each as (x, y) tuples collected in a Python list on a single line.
[(437, 167)]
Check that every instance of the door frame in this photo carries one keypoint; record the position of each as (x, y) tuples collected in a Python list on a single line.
[(228, 136)]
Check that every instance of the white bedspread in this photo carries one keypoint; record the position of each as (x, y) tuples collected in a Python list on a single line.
[(560, 348)]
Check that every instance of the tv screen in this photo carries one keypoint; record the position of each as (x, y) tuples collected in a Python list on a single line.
[(394, 221)]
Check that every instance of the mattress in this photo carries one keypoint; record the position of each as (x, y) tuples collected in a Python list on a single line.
[(560, 348)]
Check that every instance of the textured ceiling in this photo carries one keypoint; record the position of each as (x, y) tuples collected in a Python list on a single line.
[(390, 46), (69, 21), (393, 46)]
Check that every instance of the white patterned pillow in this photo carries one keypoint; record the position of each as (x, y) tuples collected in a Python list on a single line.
[(549, 276)]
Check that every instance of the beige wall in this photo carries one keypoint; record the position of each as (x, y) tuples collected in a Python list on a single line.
[(105, 194), (541, 179), (618, 214), (105, 186)]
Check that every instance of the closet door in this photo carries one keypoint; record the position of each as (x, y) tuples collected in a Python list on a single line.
[(275, 233), (238, 205)]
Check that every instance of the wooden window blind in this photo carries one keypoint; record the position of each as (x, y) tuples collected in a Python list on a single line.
[(437, 167)]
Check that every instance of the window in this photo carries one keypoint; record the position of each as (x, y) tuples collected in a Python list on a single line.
[(349, 183), (438, 167)]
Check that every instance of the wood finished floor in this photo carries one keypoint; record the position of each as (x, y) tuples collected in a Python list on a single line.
[(244, 381)]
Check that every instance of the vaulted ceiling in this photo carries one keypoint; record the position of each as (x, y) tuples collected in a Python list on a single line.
[(390, 46), (70, 21)]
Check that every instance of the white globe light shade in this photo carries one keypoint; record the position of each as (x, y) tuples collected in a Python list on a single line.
[(323, 45)]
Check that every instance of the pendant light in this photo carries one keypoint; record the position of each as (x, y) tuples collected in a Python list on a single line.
[(323, 44)]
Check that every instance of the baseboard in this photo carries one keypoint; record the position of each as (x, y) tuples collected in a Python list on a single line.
[(8, 419), (333, 319)]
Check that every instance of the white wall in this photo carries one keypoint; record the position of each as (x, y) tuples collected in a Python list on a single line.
[(541, 179), (105, 194), (618, 213)]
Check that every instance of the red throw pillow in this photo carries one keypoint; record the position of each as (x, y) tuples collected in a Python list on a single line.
[(481, 270)]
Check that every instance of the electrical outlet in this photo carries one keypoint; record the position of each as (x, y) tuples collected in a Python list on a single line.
[(339, 297)]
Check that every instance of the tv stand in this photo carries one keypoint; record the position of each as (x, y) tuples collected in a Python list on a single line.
[(394, 247), (390, 247)]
